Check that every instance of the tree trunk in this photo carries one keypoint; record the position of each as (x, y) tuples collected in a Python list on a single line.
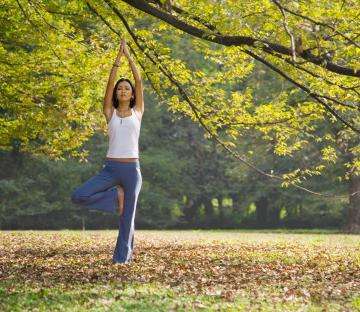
[(274, 216), (353, 217), (236, 202), (221, 209), (209, 210), (190, 209), (262, 205)]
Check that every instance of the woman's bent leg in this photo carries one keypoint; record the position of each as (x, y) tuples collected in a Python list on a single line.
[(99, 192), (125, 241)]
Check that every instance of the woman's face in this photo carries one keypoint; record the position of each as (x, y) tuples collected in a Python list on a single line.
[(124, 91)]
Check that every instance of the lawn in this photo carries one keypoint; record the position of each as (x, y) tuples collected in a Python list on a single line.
[(218, 270)]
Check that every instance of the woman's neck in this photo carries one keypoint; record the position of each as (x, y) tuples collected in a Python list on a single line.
[(123, 109)]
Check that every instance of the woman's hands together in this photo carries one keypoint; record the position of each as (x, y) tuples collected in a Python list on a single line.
[(120, 53), (123, 48)]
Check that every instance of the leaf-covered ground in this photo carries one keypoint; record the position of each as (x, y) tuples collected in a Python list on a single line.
[(180, 271)]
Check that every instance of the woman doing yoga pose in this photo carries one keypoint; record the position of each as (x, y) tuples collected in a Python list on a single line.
[(117, 186)]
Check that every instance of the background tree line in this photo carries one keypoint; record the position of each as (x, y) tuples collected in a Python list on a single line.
[(188, 181)]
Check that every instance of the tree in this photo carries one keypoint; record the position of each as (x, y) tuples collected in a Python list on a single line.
[(313, 46)]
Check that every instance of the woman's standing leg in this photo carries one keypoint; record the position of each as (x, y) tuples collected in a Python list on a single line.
[(99, 192), (132, 181)]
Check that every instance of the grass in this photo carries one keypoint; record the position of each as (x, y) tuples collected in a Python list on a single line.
[(189, 270)]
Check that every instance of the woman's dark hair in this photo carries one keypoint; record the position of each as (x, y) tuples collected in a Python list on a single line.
[(115, 100)]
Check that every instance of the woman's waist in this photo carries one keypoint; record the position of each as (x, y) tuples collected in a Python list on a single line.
[(122, 159), (122, 163)]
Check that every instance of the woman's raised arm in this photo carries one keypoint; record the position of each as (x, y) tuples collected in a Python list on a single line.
[(139, 93), (107, 105)]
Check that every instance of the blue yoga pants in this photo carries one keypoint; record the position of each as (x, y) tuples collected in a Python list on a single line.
[(100, 193)]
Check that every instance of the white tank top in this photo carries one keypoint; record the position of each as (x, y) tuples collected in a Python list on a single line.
[(124, 135)]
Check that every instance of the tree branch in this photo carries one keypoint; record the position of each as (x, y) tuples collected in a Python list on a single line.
[(317, 23), (307, 90), (236, 40)]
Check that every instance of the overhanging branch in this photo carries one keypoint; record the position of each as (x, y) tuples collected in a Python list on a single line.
[(236, 40), (180, 24)]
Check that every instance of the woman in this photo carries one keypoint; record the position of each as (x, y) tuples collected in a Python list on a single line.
[(117, 186)]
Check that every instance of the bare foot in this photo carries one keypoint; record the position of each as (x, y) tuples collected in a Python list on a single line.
[(120, 191)]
